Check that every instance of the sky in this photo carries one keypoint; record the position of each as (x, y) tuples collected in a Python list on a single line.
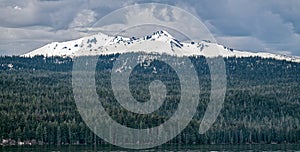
[(252, 25)]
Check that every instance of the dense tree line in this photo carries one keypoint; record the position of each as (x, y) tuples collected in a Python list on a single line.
[(261, 106)]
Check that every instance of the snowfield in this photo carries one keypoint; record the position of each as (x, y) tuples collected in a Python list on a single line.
[(160, 42)]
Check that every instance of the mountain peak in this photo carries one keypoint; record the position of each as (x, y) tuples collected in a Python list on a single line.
[(162, 33), (159, 42), (159, 35)]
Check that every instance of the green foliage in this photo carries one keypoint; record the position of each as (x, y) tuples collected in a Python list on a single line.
[(261, 106)]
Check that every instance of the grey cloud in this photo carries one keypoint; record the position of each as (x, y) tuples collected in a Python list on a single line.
[(273, 23), (83, 18), (269, 25), (57, 14), (28, 24), (36, 13)]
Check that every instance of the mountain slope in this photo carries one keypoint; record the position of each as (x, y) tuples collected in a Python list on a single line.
[(159, 42)]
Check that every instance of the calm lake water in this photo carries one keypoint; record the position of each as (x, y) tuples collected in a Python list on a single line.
[(167, 148)]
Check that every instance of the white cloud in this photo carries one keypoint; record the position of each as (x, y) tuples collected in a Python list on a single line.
[(17, 7), (14, 16), (83, 18), (270, 25), (15, 41), (140, 20)]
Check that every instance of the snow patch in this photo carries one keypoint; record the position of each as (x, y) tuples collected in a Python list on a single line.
[(160, 42)]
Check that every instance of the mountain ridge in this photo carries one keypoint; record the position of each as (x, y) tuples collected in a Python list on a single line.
[(159, 42)]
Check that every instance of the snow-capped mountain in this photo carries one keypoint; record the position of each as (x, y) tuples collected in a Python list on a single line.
[(159, 42)]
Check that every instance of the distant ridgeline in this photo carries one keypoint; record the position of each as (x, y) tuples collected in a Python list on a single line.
[(261, 106)]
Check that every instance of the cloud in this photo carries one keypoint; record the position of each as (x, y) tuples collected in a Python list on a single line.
[(244, 42), (273, 25), (10, 16), (16, 41), (28, 24), (83, 19), (140, 20), (269, 25)]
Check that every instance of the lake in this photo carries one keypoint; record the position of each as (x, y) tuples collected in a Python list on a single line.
[(85, 148)]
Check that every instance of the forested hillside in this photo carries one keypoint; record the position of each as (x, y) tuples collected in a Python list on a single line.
[(262, 103)]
